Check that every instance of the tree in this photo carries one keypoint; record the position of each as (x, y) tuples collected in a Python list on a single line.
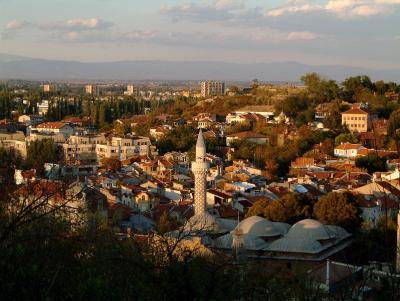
[(346, 138), (337, 209), (291, 208), (41, 152), (258, 208), (111, 164), (166, 223), (320, 89), (354, 86), (394, 123), (371, 162)]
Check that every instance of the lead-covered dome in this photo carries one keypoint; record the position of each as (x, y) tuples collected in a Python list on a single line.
[(258, 226), (309, 228), (295, 245)]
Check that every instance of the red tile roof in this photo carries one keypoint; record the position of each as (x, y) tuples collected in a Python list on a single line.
[(51, 125), (356, 111)]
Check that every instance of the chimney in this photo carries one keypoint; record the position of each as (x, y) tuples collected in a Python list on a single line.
[(328, 273)]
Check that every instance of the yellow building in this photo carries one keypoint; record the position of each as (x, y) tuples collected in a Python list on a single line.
[(357, 120)]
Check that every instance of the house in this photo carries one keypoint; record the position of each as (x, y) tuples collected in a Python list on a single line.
[(321, 111), (205, 120), (248, 136), (347, 150), (73, 121), (267, 111), (30, 119), (303, 162), (160, 131), (24, 176), (54, 128), (216, 196)]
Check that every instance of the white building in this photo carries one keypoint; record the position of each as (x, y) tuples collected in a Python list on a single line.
[(91, 148), (54, 128), (43, 107), (212, 88), (347, 150), (30, 119)]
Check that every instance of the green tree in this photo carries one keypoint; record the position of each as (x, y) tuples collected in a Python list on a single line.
[(346, 137), (371, 162), (41, 152), (394, 123), (320, 90), (354, 86)]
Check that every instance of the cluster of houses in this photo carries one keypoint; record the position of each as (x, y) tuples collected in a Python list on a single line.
[(147, 183)]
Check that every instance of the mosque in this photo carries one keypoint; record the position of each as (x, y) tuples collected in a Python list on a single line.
[(260, 238)]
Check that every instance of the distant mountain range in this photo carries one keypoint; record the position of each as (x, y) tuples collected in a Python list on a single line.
[(16, 67)]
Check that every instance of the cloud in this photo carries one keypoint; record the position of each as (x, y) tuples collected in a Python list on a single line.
[(77, 25), (15, 24), (303, 8), (214, 10), (302, 35), (340, 8)]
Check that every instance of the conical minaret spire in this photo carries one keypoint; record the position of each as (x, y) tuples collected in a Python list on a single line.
[(200, 169)]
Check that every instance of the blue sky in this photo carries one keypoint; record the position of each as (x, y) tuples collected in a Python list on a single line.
[(343, 32)]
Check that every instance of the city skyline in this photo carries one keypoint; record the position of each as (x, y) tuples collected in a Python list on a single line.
[(353, 33)]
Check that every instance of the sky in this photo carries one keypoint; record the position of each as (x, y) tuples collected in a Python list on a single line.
[(363, 33)]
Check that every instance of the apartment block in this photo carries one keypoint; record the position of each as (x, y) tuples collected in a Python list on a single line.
[(212, 88)]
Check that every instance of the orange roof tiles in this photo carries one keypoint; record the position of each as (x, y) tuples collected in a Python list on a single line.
[(356, 111), (51, 125)]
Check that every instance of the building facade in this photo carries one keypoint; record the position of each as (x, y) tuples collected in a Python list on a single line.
[(212, 88), (357, 120)]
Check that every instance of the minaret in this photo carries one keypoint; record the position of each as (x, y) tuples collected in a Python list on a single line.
[(200, 168)]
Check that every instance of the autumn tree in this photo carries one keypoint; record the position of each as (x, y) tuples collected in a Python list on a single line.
[(111, 164), (337, 209), (291, 208), (258, 208)]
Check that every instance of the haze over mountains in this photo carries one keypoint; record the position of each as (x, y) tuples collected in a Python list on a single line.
[(15, 67)]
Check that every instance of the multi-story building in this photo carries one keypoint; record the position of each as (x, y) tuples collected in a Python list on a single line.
[(43, 107), (357, 119), (46, 88), (91, 90), (212, 88), (88, 149), (15, 141), (130, 90)]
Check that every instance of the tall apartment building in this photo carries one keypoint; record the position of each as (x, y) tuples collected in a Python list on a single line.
[(91, 90), (46, 88), (212, 88), (130, 89)]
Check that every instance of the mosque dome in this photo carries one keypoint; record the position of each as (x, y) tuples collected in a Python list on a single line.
[(313, 229), (295, 245), (251, 242), (258, 226), (204, 222)]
